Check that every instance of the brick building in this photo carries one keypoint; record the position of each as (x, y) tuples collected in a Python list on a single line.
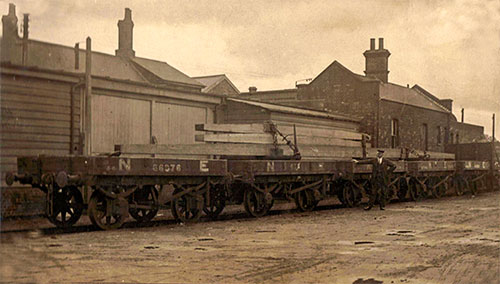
[(394, 115)]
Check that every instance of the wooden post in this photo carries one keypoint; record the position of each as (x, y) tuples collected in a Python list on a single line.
[(493, 130), (88, 98)]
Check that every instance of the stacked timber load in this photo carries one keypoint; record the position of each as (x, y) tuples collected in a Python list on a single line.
[(275, 141), (282, 140), (261, 140)]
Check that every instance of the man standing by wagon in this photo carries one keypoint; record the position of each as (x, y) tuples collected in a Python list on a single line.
[(382, 168)]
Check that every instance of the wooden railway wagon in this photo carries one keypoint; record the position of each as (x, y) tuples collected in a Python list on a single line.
[(110, 188)]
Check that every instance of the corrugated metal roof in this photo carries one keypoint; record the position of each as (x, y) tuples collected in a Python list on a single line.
[(294, 110), (404, 95)]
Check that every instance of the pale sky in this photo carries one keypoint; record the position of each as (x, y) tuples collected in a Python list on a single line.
[(449, 47)]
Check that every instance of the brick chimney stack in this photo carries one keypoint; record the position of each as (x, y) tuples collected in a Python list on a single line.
[(9, 23), (125, 35), (377, 61)]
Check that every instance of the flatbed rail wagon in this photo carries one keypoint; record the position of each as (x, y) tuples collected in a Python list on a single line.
[(110, 188)]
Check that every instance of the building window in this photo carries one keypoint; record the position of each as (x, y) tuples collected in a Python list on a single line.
[(445, 135), (439, 135), (424, 137), (394, 133), (451, 137), (457, 140)]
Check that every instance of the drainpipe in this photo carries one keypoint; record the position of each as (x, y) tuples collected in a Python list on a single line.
[(88, 99)]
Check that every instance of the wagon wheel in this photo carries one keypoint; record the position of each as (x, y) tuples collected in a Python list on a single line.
[(305, 200), (217, 201), (440, 190), (187, 208), (403, 188), (98, 208), (416, 190), (67, 207), (459, 184), (146, 196), (474, 186), (477, 185), (256, 203), (349, 195)]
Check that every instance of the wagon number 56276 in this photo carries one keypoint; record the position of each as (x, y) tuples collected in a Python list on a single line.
[(167, 168)]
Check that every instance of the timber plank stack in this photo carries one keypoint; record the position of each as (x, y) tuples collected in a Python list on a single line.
[(259, 140)]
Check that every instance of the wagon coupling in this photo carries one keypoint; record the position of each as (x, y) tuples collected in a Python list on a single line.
[(10, 178)]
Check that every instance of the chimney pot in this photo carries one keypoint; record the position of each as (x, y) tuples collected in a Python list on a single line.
[(380, 43), (252, 89), (12, 9), (128, 14), (372, 44)]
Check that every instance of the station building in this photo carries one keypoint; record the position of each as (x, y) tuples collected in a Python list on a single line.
[(394, 115)]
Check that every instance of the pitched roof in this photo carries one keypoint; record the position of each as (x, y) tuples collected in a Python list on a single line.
[(396, 93), (211, 81), (50, 56), (294, 110), (409, 96), (335, 63), (165, 72)]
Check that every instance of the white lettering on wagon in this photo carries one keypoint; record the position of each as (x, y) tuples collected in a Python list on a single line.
[(124, 164), (270, 166), (295, 166), (204, 166), (168, 168)]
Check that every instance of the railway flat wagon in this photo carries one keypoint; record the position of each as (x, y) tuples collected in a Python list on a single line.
[(257, 183), (110, 188)]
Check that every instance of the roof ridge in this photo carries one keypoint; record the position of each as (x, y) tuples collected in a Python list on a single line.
[(431, 100), (218, 75), (323, 112)]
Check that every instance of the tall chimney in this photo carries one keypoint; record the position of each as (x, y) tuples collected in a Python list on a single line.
[(9, 24), (377, 61), (125, 35)]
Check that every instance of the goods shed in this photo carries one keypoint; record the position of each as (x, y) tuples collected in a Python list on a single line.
[(61, 100)]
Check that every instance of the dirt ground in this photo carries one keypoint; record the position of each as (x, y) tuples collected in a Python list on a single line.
[(450, 240)]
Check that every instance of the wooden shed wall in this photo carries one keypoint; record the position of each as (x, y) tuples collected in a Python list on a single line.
[(132, 119), (36, 117)]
